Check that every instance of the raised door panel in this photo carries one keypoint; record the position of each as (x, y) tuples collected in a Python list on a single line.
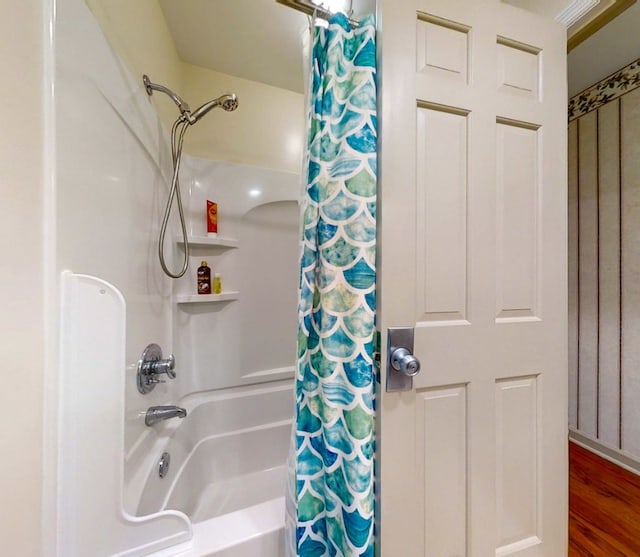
[(442, 48), (441, 443), (518, 205), (441, 193), (518, 68), (517, 453)]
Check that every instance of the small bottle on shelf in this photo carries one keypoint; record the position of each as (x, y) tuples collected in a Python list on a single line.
[(204, 278), (212, 219), (217, 284)]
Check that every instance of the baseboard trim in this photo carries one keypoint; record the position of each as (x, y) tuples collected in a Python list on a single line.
[(608, 453)]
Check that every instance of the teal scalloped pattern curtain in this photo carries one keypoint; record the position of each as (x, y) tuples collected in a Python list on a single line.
[(333, 492)]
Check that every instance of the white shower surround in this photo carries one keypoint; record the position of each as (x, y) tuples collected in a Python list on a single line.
[(112, 175), (233, 443), (229, 454)]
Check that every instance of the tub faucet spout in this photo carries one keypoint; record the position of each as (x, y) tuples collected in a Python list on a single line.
[(157, 414)]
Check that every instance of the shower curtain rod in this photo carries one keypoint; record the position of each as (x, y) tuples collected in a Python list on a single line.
[(309, 8)]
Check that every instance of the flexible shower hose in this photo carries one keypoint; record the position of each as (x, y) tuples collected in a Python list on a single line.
[(179, 128)]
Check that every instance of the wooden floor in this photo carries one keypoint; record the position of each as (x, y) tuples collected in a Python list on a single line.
[(604, 507)]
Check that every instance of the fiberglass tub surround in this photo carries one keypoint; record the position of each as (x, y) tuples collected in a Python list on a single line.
[(234, 362), (222, 494), (247, 340), (234, 366), (229, 455)]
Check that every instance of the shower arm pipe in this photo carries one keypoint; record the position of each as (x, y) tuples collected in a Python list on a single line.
[(309, 8), (151, 87)]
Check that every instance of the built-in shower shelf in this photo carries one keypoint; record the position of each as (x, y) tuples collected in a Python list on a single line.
[(204, 241), (207, 298)]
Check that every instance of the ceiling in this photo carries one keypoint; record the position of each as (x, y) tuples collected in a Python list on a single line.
[(261, 40), (253, 39)]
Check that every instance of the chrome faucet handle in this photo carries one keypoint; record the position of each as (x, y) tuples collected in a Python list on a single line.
[(151, 365), (165, 366)]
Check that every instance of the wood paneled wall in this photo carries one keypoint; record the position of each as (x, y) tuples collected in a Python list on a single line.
[(604, 275)]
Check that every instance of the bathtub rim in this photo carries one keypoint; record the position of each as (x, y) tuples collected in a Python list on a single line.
[(212, 536)]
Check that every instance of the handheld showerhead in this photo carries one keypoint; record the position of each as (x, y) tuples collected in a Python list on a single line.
[(228, 102)]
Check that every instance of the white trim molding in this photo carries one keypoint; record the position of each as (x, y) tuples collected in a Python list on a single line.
[(574, 11)]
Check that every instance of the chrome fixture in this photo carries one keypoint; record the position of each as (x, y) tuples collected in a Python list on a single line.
[(405, 362), (151, 366), (402, 365), (151, 87), (187, 118), (163, 464), (157, 414), (226, 102)]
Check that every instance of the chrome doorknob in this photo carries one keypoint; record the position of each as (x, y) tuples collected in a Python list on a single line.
[(405, 362)]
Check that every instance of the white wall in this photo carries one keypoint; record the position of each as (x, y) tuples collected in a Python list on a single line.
[(138, 34), (266, 130), (22, 173), (611, 48)]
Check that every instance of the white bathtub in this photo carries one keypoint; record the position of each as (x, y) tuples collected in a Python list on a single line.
[(227, 472)]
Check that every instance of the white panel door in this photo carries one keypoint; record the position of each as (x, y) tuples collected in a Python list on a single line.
[(473, 236)]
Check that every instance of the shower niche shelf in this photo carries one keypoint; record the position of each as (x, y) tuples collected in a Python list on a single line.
[(207, 298), (206, 241)]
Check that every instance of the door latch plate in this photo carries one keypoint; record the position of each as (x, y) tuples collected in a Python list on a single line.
[(398, 337)]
